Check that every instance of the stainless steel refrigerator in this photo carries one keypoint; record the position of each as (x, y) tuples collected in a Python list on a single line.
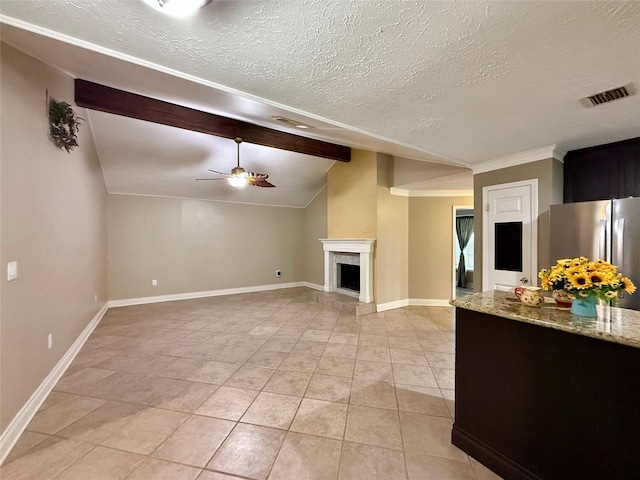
[(607, 229)]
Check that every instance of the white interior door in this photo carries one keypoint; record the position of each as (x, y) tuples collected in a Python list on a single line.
[(510, 231)]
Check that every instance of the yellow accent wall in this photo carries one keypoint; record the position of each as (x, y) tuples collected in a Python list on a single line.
[(352, 197), (392, 253), (431, 246)]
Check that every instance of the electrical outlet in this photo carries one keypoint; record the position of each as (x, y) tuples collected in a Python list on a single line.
[(278, 273), (154, 282), (50, 341)]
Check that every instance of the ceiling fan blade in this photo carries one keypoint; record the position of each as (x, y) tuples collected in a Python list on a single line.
[(219, 173), (210, 178), (259, 182), (263, 176)]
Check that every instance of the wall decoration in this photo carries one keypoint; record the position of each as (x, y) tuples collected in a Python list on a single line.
[(63, 125)]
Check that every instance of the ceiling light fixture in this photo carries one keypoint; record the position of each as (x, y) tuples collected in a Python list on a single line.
[(238, 178), (238, 181), (177, 8)]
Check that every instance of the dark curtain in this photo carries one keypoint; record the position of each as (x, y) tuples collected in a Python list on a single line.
[(464, 229)]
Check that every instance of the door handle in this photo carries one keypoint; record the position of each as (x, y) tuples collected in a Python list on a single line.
[(619, 239), (604, 226)]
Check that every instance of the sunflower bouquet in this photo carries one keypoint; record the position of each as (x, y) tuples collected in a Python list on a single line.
[(582, 278)]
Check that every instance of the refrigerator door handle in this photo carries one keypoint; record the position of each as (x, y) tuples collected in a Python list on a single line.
[(603, 240), (618, 239)]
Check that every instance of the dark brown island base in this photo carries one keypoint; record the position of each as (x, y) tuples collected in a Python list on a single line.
[(544, 394)]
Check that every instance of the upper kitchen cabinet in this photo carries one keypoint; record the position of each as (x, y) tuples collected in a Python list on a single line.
[(603, 172)]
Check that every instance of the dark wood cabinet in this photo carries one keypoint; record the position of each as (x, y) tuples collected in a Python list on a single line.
[(537, 403), (603, 172)]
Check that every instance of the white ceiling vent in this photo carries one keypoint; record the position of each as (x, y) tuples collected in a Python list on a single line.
[(608, 96)]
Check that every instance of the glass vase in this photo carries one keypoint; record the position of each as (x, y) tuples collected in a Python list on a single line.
[(584, 306)]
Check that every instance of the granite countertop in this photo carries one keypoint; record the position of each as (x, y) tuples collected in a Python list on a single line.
[(617, 325)]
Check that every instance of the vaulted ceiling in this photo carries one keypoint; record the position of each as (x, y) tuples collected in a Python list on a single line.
[(456, 83)]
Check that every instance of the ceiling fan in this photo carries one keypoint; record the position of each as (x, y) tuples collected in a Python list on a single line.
[(239, 178)]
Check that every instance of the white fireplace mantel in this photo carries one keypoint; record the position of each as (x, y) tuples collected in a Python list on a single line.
[(363, 246)]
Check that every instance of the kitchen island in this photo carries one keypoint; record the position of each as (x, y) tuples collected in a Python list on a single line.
[(541, 393)]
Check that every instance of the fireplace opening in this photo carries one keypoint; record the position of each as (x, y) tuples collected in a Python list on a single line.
[(349, 276)]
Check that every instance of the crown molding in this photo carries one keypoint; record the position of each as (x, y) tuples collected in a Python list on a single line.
[(401, 192), (551, 151)]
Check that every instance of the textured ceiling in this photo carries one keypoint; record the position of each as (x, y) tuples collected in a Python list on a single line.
[(457, 82)]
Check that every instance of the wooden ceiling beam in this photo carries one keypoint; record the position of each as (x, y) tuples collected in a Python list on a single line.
[(119, 102)]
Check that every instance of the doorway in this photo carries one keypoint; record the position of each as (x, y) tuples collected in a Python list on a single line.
[(510, 230), (463, 243)]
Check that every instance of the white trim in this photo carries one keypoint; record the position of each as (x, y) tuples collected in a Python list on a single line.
[(209, 293), (319, 191), (349, 245), (533, 183), (401, 192), (382, 307), (552, 151), (363, 246), (413, 302), (19, 423), (429, 302), (315, 286)]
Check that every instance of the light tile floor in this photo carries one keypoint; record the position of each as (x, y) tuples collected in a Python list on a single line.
[(266, 385)]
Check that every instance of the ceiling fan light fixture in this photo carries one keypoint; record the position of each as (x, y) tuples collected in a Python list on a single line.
[(177, 8), (237, 181)]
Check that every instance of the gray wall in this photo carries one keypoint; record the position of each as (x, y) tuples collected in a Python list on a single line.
[(53, 223), (315, 227), (549, 173), (197, 245)]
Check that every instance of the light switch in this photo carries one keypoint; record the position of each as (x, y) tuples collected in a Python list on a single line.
[(12, 271)]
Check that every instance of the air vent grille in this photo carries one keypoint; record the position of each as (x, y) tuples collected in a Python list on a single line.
[(292, 123), (608, 96)]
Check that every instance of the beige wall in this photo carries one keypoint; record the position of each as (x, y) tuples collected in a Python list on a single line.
[(315, 227), (392, 248), (549, 173), (352, 197), (53, 223), (431, 246), (196, 245)]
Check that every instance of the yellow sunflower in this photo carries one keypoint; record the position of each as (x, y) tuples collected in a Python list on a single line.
[(580, 280), (545, 283), (600, 277), (611, 295), (576, 262), (629, 287)]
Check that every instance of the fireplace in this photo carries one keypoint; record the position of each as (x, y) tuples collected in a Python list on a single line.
[(349, 277), (348, 267)]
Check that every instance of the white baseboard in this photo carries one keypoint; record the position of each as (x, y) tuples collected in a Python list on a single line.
[(209, 293), (429, 302), (413, 302), (12, 433), (382, 307), (315, 286)]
